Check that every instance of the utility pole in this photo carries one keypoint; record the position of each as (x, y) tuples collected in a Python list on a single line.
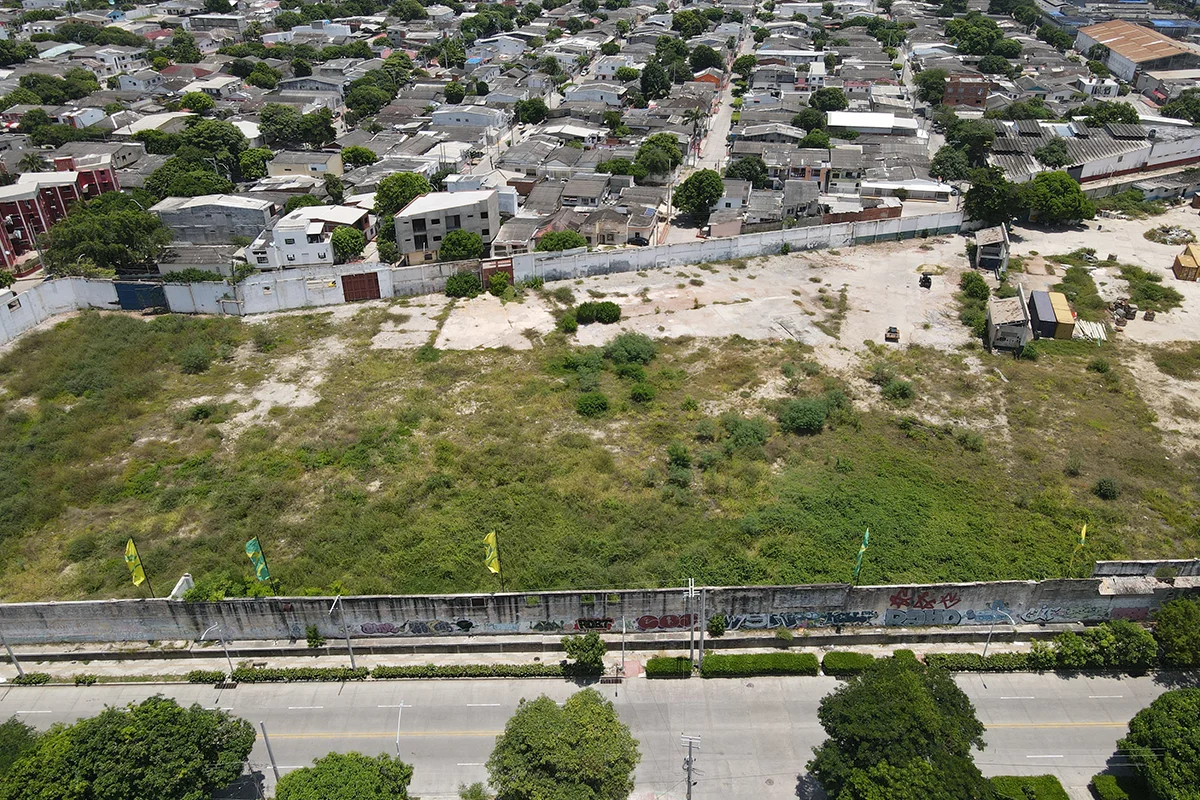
[(689, 761), (621, 668), (270, 753), (703, 623), (690, 605), (338, 604), (12, 655)]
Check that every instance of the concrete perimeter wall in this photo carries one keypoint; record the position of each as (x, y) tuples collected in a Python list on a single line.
[(21, 313), (745, 608)]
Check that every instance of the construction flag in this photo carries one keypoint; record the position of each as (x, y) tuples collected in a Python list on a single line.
[(491, 556), (1083, 535), (254, 551), (861, 549), (134, 563)]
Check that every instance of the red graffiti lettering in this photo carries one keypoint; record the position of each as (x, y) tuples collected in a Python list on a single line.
[(950, 600), (923, 600), (650, 622), (901, 599)]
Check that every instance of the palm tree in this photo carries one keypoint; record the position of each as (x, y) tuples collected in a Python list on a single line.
[(695, 117), (32, 162)]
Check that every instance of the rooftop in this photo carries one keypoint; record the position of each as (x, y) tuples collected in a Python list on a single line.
[(228, 200), (441, 201), (1134, 42)]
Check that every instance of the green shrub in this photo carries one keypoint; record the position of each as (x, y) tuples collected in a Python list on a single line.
[(86, 680), (1099, 365), (744, 666), (785, 248), (591, 404), (974, 662), (427, 354), (716, 625), (678, 455), (974, 286), (1028, 787), (641, 393), (906, 656), (293, 674), (195, 358), (568, 323), (1119, 787), (464, 284), (634, 372), (31, 679), (205, 676), (666, 667), (498, 284), (1028, 352), (192, 275), (1118, 644), (608, 312), (427, 671), (1106, 489), (585, 313), (1177, 629), (784, 636), (840, 663), (315, 639), (898, 391), (802, 416), (631, 348)]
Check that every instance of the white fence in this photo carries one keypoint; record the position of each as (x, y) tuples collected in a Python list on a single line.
[(312, 287)]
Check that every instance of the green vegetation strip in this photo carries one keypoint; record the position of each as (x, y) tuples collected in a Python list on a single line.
[(1028, 787), (744, 666)]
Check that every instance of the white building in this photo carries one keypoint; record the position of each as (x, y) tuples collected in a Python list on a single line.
[(611, 94), (493, 120), (302, 238), (422, 224), (873, 122)]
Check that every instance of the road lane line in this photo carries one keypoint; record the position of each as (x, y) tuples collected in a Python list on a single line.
[(470, 764), (1105, 696), (1016, 698), (483, 705), (393, 705), (304, 708), (1043, 756), (35, 712), (1057, 725), (382, 735)]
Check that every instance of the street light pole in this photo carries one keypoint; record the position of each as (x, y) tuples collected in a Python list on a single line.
[(12, 655), (992, 627), (270, 753), (224, 646), (338, 604)]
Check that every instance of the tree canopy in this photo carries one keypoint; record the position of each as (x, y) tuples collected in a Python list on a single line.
[(111, 231), (1186, 106), (1056, 197), (654, 82), (749, 168), (931, 85), (1053, 153), (580, 750), (744, 65), (702, 57), (358, 156), (347, 776), (830, 98), (697, 194), (398, 190), (1162, 744), (560, 240), (899, 730), (153, 749), (1177, 629), (347, 242), (461, 244), (991, 198), (949, 164)]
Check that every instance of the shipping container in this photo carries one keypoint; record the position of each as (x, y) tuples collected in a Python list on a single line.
[(1041, 315), (1187, 263), (1064, 320)]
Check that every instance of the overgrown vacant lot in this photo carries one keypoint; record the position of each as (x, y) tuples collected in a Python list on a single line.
[(377, 471)]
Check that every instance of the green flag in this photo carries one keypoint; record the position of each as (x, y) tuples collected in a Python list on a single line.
[(254, 551), (862, 549)]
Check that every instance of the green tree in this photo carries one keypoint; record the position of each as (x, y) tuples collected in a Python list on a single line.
[(702, 57), (1056, 197), (586, 651), (991, 198), (531, 111), (1162, 744), (931, 85), (1186, 106), (580, 750), (610, 48), (301, 68), (660, 153), (697, 194), (16, 738), (112, 231), (689, 23), (949, 164), (198, 183), (974, 137), (198, 102), (899, 730), (358, 156), (396, 191), (749, 168), (455, 93), (252, 163), (300, 201), (153, 747), (744, 65), (183, 48), (829, 99), (347, 243), (279, 123), (1053, 153), (33, 161), (627, 74), (994, 65), (460, 245), (560, 240), (1177, 629), (1103, 112), (335, 190), (1007, 48), (654, 82), (810, 119), (347, 776)]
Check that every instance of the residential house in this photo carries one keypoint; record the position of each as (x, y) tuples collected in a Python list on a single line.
[(312, 83), (515, 237), (966, 90), (424, 222), (209, 22), (773, 78), (302, 238), (587, 191), (39, 199), (492, 121), (736, 196), (218, 87), (814, 79), (306, 162), (800, 199), (605, 68), (118, 155), (167, 122), (611, 94), (712, 76), (846, 164), (109, 60), (771, 133), (215, 218), (145, 81)]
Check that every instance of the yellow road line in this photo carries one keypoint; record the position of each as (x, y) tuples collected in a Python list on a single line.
[(384, 735), (1057, 725)]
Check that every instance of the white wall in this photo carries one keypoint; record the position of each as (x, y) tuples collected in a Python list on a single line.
[(21, 312)]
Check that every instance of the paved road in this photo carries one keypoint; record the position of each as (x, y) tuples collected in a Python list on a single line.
[(755, 734)]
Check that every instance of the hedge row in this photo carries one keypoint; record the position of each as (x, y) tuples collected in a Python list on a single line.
[(841, 663), (31, 679), (744, 666), (1119, 787), (664, 667), (973, 662), (289, 674), (469, 671), (1028, 787), (205, 676)]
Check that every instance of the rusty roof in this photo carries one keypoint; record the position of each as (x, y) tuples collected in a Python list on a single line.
[(1134, 42)]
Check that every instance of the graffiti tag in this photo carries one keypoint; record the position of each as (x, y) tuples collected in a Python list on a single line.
[(649, 622), (919, 616), (924, 599), (546, 626), (594, 624), (800, 619)]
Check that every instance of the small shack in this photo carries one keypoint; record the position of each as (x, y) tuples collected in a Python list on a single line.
[(1008, 322), (1187, 263), (1050, 315), (991, 249)]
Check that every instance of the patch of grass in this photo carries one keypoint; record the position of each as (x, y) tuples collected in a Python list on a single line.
[(1181, 362), (1080, 290), (1170, 234), (1028, 787), (1132, 204), (1146, 290)]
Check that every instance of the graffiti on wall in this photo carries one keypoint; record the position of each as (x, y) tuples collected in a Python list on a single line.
[(800, 619), (594, 624), (649, 622)]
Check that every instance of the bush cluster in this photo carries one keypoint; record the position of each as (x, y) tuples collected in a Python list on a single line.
[(469, 671), (973, 302), (1028, 787), (1112, 787), (1117, 645), (664, 667), (630, 348), (86, 679), (205, 676), (591, 404), (841, 663), (290, 674), (606, 313), (31, 679), (464, 284), (744, 666), (973, 662)]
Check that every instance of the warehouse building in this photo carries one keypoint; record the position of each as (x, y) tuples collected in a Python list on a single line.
[(1133, 49)]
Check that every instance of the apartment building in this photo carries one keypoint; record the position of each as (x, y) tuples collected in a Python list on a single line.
[(215, 218), (423, 223), (39, 199)]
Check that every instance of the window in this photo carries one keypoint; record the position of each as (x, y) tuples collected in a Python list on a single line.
[(437, 238), (487, 232), (435, 222), (321, 255), (418, 226), (453, 222), (261, 259), (483, 215), (289, 241), (291, 256), (429, 256)]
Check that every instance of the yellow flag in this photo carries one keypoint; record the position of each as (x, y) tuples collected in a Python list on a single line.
[(134, 563), (1083, 535), (491, 557)]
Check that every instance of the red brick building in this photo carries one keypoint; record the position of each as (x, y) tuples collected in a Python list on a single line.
[(39, 199), (967, 90)]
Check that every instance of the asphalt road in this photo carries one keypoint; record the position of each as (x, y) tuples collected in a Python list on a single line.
[(755, 734)]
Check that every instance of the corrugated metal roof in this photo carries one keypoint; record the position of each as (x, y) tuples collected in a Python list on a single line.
[(1134, 42), (1121, 130)]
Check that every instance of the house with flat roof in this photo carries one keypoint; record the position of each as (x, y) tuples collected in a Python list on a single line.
[(215, 218), (302, 238), (306, 162), (423, 223)]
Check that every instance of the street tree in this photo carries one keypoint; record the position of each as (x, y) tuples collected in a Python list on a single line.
[(949, 164), (991, 198), (698, 193), (580, 750), (153, 749), (899, 730), (703, 57), (654, 82), (252, 163), (531, 111), (461, 244), (1056, 197), (974, 137), (1177, 629), (1162, 744), (931, 85), (347, 776), (16, 738), (358, 156), (396, 191), (586, 651), (744, 65)]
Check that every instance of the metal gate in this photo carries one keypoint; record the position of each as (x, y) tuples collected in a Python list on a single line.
[(362, 286), (140, 295)]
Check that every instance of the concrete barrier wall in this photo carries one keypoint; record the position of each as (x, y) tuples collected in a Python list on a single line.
[(745, 608), (24, 311)]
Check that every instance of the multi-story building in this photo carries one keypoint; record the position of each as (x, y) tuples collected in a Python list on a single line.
[(302, 238), (39, 199), (422, 224), (307, 162), (215, 218), (967, 90)]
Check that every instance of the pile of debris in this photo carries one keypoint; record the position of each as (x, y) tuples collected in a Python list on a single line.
[(1171, 234), (1123, 311)]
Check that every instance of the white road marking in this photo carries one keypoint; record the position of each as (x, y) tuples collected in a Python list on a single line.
[(303, 708), (1016, 698), (1043, 756), (483, 705), (395, 705), (471, 764), (35, 712), (1105, 696)]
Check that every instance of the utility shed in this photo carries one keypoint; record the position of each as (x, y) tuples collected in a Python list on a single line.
[(1041, 315), (992, 248), (1187, 263), (1008, 323), (1064, 325)]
